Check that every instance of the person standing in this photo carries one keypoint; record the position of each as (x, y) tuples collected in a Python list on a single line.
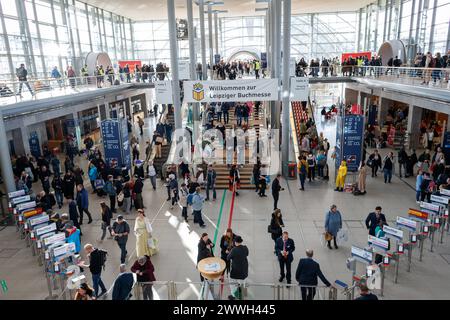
[(106, 219), (83, 203), (302, 171), (333, 223), (402, 162), (144, 269), (205, 246), (184, 193), (120, 231), (227, 242), (211, 176), (388, 166), (123, 284), (373, 219), (151, 171), (197, 206), (143, 231), (276, 188), (374, 162), (22, 74), (306, 275), (419, 180), (362, 178), (365, 294), (57, 185), (141, 123), (111, 192), (97, 260), (276, 225), (137, 190), (239, 268), (340, 178), (284, 246)]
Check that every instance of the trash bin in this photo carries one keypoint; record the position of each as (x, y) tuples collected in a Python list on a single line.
[(292, 171)]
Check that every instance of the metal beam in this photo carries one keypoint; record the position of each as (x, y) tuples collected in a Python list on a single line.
[(174, 63), (201, 8), (52, 8), (210, 37), (89, 26), (193, 60), (216, 31), (7, 46), (433, 22), (358, 41), (419, 16), (38, 33), (399, 20), (385, 19), (411, 22), (286, 85)]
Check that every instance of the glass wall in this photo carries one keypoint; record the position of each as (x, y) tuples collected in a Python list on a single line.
[(44, 34)]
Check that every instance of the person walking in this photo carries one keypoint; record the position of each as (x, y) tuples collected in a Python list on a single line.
[(57, 185), (123, 284), (83, 203), (373, 220), (402, 162), (333, 223), (205, 246), (120, 231), (284, 246), (126, 191), (239, 268), (211, 176), (306, 275), (276, 188), (419, 180), (197, 206), (227, 242), (97, 258), (362, 178), (143, 232), (151, 171), (388, 167), (106, 219), (22, 74), (374, 162), (173, 187), (302, 171), (141, 123), (137, 191), (74, 215), (111, 192), (144, 269), (275, 227)]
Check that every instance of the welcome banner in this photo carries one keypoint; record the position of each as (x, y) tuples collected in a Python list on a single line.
[(231, 90)]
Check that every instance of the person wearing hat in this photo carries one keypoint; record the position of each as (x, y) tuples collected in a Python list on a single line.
[(73, 235), (123, 284), (239, 268), (84, 292), (144, 270), (333, 223), (120, 231)]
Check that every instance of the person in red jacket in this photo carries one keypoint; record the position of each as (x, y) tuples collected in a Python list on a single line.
[(144, 269)]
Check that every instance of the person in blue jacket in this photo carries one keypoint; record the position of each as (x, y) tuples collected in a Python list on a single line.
[(333, 223), (123, 284), (73, 235), (419, 180), (83, 203), (93, 174)]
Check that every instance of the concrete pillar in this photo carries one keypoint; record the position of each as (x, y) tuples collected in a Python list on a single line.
[(174, 64), (413, 127), (25, 137), (216, 32), (210, 38), (5, 158), (286, 84), (201, 8), (383, 110), (144, 105)]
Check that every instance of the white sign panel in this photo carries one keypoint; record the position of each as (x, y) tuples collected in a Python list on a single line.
[(430, 206), (408, 223), (397, 233), (16, 193), (226, 90), (56, 238), (380, 243), (21, 199), (64, 249), (445, 192), (443, 200), (183, 70), (361, 253), (39, 220), (163, 92), (26, 205), (46, 229), (299, 89)]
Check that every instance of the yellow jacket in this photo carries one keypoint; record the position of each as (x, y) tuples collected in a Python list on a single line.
[(342, 169)]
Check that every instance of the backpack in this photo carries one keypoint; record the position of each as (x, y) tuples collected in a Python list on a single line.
[(103, 257)]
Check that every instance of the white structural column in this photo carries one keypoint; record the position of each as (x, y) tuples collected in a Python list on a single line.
[(201, 8), (5, 158), (210, 37), (193, 61), (216, 32), (174, 63), (277, 63), (286, 85)]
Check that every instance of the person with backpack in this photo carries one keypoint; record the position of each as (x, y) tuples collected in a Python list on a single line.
[(321, 160), (196, 200), (388, 167), (97, 259), (123, 284), (302, 171), (120, 231), (426, 187), (311, 167), (111, 192)]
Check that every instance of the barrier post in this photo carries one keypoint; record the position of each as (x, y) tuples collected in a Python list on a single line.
[(397, 264), (421, 240), (409, 246), (383, 275)]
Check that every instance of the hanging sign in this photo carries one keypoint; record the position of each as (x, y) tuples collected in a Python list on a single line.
[(236, 90), (163, 92), (397, 233), (407, 223), (361, 253), (378, 242), (183, 70), (299, 89)]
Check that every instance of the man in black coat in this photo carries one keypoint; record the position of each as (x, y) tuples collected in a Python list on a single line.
[(373, 219), (205, 246), (123, 284), (239, 268), (365, 295), (284, 248), (307, 272), (276, 188)]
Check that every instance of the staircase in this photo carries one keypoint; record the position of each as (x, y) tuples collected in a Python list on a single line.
[(256, 121), (165, 150)]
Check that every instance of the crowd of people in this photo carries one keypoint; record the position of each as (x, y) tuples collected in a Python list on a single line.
[(236, 69)]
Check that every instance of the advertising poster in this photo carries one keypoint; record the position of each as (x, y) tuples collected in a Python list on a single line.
[(126, 149), (353, 135), (35, 147), (111, 141)]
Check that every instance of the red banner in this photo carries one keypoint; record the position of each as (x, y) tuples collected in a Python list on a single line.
[(354, 55), (131, 64), (418, 214)]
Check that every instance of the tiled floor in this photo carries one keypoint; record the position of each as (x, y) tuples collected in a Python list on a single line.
[(303, 214)]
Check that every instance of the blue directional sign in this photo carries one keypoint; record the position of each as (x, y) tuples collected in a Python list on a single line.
[(111, 141), (349, 140), (126, 149), (35, 147)]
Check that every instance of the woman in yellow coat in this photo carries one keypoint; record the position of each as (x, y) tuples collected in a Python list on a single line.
[(145, 244), (342, 174)]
